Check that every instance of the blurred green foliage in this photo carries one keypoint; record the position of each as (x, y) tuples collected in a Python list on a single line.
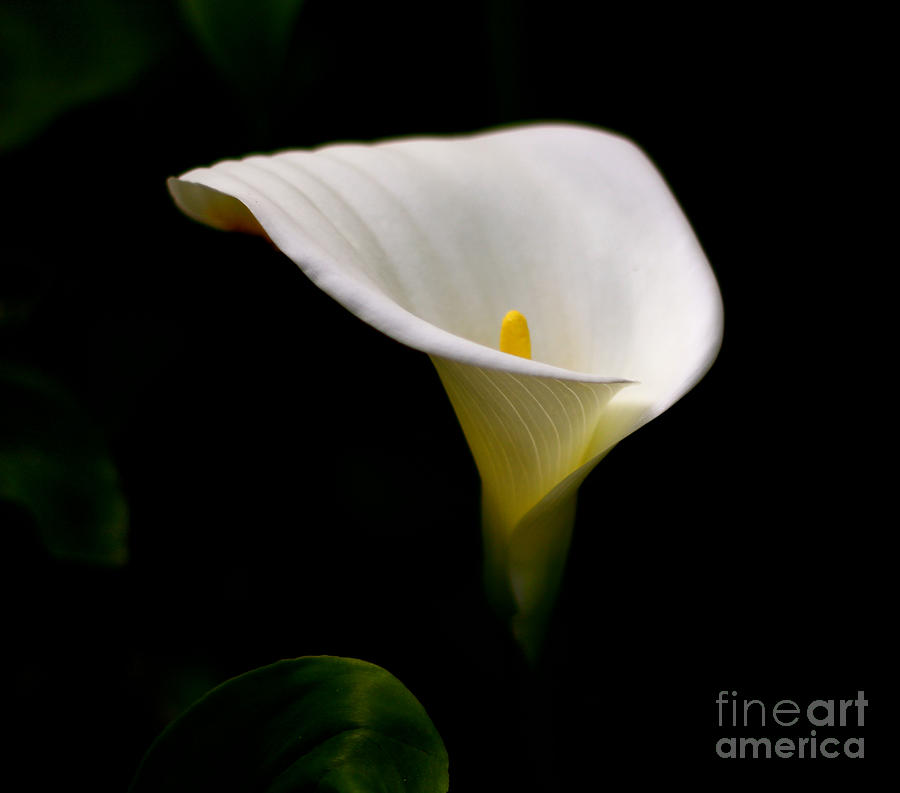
[(54, 462), (55, 55), (247, 41)]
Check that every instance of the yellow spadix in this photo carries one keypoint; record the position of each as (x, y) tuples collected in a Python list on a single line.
[(514, 336)]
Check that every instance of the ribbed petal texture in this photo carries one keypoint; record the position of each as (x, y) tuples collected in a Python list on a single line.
[(433, 241)]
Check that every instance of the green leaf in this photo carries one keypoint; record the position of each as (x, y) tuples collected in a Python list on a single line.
[(246, 40), (325, 724), (54, 461), (56, 54)]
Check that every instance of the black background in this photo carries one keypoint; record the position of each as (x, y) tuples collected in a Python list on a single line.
[(298, 484)]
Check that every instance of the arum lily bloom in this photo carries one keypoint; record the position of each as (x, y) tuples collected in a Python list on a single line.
[(548, 272)]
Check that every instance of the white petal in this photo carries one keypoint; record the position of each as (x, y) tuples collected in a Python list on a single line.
[(432, 241), (526, 433), (534, 440)]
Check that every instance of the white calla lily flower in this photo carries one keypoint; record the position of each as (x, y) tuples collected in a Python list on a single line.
[(434, 240)]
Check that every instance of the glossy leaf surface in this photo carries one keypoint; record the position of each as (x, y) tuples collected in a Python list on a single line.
[(308, 724)]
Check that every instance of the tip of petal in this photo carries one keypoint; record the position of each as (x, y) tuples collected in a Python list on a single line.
[(212, 207)]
